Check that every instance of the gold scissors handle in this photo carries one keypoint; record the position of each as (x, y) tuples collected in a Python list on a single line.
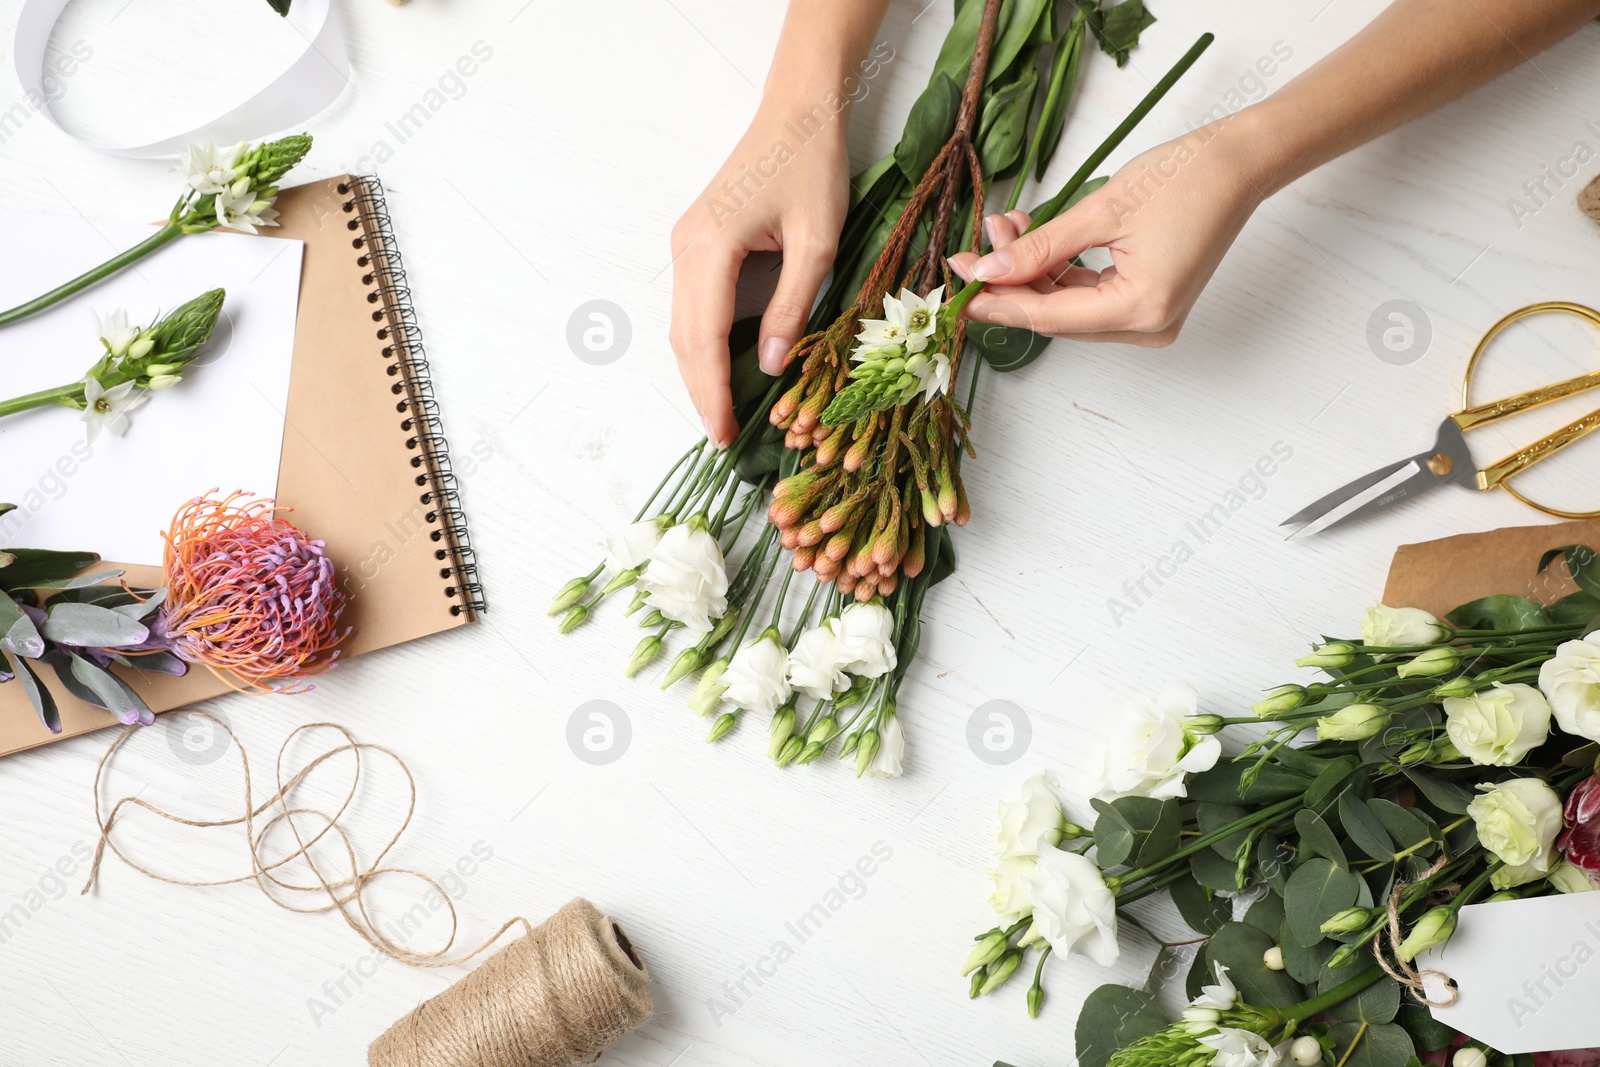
[(1477, 415)]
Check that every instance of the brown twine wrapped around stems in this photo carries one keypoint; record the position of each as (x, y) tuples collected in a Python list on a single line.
[(561, 994), (1408, 974)]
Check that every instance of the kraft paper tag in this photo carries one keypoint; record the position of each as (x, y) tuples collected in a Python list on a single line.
[(1527, 973)]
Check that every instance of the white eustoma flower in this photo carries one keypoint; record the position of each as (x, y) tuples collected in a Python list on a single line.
[(866, 640), (107, 409), (1497, 727), (1073, 909), (209, 169), (1517, 822), (891, 749), (1568, 877), (1030, 822), (114, 331), (687, 580), (1150, 754), (632, 547), (1571, 682), (814, 664), (1012, 897), (1241, 1048), (1387, 627), (757, 676), (245, 212)]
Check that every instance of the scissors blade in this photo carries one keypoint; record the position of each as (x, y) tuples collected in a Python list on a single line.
[(1448, 460)]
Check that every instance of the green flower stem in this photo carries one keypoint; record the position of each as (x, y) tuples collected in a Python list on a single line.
[(1150, 887), (760, 590), (1052, 207), (783, 593), (1063, 77), (694, 453), (1204, 841), (1299, 1013), (61, 394), (93, 277)]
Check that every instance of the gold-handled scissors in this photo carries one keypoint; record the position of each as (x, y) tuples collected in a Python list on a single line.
[(1449, 460)]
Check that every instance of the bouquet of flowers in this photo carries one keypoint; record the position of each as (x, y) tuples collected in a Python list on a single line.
[(860, 441), (1451, 761)]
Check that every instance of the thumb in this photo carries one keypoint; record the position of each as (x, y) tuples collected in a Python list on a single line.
[(784, 323), (1050, 249)]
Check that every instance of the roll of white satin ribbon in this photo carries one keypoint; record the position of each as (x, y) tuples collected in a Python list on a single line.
[(310, 83)]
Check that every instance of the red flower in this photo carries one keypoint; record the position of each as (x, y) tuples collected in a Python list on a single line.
[(1575, 1057), (1581, 839)]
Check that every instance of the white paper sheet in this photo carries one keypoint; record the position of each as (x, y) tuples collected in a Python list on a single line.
[(1528, 973), (220, 428)]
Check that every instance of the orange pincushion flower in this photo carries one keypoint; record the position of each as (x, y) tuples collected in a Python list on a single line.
[(249, 595)]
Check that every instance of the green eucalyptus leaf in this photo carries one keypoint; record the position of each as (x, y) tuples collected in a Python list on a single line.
[(1213, 817), (1318, 839), (1240, 947), (1222, 784), (1213, 871), (1304, 962), (1317, 891), (1375, 1004), (1203, 909), (1444, 794), (1407, 827), (1114, 1016), (1428, 1033), (1275, 861), (1361, 1044), (1266, 914), (1135, 830), (1365, 830)]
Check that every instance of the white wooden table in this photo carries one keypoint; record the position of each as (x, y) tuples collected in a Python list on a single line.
[(550, 178)]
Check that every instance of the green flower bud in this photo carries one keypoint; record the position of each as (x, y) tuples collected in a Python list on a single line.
[(141, 348), (1354, 723), (1332, 654), (1345, 953), (156, 370), (782, 727), (978, 977), (687, 663), (811, 752), (825, 730), (866, 750), (637, 602), (1035, 1001), (643, 655), (848, 749), (988, 949), (1000, 973), (1459, 686), (708, 693), (652, 619), (791, 749), (720, 728), (721, 628), (162, 381), (621, 581), (1503, 895), (570, 594), (1434, 928), (1280, 701), (1201, 726), (1430, 664), (1347, 921), (574, 619), (1071, 831)]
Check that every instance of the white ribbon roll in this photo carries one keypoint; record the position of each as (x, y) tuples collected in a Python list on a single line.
[(311, 82)]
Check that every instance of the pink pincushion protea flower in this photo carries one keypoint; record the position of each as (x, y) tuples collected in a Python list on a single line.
[(249, 595)]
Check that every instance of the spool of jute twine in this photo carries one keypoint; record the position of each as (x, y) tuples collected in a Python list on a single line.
[(559, 995), (1589, 199)]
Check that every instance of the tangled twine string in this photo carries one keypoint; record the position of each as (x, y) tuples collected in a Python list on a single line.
[(249, 595), (1408, 974), (558, 995)]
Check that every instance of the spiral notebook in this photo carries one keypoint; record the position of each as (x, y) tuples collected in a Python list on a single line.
[(364, 465)]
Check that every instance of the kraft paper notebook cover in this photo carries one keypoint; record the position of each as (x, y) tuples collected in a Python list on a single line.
[(1439, 576), (365, 465)]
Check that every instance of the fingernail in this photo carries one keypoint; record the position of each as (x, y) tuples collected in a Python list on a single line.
[(990, 227), (705, 420), (1019, 219), (962, 272), (993, 265), (772, 353)]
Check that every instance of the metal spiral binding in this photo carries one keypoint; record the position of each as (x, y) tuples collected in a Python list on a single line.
[(424, 434)]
